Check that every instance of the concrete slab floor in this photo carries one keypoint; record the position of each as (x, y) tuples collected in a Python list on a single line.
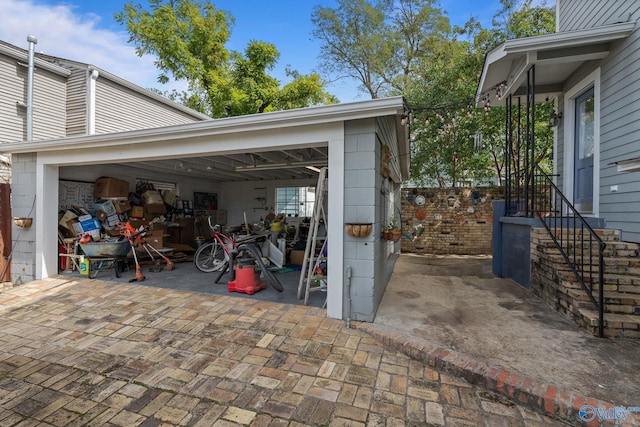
[(187, 277), (457, 302)]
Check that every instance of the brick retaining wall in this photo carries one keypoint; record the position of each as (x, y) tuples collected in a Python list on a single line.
[(451, 221)]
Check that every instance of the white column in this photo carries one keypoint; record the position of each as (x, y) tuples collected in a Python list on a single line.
[(46, 220), (335, 217)]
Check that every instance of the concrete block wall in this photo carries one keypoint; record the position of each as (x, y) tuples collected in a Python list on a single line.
[(451, 221), (23, 189), (360, 189), (366, 196)]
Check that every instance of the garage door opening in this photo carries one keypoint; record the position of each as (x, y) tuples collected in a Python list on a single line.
[(275, 202)]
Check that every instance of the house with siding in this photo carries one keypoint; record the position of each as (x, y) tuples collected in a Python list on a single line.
[(590, 69), (74, 98), (106, 126)]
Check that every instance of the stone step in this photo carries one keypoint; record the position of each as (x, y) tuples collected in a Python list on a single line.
[(614, 324), (615, 302)]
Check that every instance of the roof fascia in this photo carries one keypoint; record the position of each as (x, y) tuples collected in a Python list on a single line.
[(21, 55), (605, 33), (393, 106)]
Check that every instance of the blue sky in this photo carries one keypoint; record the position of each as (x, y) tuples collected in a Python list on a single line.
[(85, 31)]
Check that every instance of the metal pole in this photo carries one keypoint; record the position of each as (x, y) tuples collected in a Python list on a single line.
[(32, 42)]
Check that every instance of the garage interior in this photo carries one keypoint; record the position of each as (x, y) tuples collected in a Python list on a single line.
[(264, 188)]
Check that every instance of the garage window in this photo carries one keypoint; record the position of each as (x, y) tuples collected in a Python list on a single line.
[(295, 201)]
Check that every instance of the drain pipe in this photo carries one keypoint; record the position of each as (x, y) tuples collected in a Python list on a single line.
[(347, 323), (32, 43)]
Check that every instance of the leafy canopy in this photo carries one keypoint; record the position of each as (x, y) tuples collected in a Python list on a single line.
[(408, 47), (188, 38)]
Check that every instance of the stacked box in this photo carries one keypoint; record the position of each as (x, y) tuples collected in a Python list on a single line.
[(106, 187)]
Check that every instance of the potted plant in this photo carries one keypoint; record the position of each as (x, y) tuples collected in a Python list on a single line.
[(394, 229), (386, 234)]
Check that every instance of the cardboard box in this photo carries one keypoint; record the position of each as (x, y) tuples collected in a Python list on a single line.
[(106, 187), (91, 226), (152, 197), (66, 219), (151, 210), (155, 238), (74, 225), (105, 206), (169, 197), (112, 220), (122, 206), (296, 257), (136, 212)]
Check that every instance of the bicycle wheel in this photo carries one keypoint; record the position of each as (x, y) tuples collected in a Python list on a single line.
[(210, 257)]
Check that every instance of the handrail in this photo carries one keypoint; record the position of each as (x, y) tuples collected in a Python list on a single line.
[(562, 221)]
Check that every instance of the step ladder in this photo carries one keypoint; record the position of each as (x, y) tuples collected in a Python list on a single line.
[(315, 251)]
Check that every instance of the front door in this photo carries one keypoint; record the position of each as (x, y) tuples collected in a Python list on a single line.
[(583, 152)]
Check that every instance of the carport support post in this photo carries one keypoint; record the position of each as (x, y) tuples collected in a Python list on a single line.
[(335, 234), (46, 220)]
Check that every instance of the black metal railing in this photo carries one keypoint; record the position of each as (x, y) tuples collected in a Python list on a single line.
[(579, 245)]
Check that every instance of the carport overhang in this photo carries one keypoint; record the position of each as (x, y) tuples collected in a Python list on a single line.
[(308, 127), (556, 57)]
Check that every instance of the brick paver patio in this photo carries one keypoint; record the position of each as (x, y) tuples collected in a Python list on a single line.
[(93, 353)]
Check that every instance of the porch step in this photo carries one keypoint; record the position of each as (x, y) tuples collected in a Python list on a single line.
[(614, 302), (615, 325)]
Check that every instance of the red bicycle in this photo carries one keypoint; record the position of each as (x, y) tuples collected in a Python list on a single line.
[(225, 251)]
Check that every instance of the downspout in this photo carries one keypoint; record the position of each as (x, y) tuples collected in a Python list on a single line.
[(347, 323), (32, 42), (91, 101)]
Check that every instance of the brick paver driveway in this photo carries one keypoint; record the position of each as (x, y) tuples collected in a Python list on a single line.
[(89, 352)]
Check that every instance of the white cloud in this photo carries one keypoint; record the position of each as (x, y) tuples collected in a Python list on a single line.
[(64, 33)]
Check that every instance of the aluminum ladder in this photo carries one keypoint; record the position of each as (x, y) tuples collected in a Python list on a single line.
[(315, 249)]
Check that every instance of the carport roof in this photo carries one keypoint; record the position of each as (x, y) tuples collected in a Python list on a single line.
[(393, 106), (556, 57)]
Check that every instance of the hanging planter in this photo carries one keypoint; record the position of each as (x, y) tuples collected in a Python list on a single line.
[(395, 235), (23, 222), (358, 229)]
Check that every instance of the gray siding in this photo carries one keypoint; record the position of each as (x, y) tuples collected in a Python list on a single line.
[(620, 137), (120, 109), (77, 102), (582, 14), (49, 98)]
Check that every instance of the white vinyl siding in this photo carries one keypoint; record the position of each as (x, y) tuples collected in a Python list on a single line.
[(77, 102), (121, 109), (49, 101), (49, 97), (12, 117), (582, 14)]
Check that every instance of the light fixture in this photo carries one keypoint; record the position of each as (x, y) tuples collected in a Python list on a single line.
[(404, 119), (313, 168), (209, 168), (554, 119)]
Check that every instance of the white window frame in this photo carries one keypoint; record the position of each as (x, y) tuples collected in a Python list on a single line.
[(592, 80)]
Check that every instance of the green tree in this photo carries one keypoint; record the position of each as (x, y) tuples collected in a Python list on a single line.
[(446, 87), (378, 45), (188, 38)]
